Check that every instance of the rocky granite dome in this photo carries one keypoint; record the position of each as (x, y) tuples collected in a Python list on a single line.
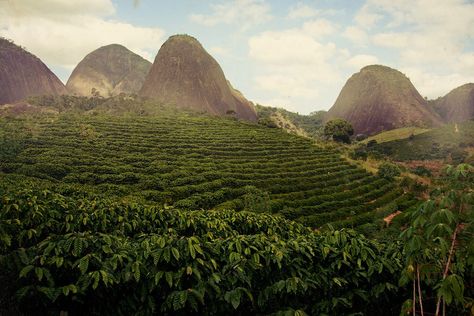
[(186, 76), (457, 105), (22, 75), (379, 98), (109, 70)]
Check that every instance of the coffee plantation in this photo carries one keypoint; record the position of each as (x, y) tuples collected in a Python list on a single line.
[(198, 162), (185, 214)]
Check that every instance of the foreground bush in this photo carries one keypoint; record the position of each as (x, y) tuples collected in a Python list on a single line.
[(94, 256)]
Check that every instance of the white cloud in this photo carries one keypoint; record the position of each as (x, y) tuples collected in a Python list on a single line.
[(218, 50), (430, 40), (423, 32), (62, 36), (246, 13), (319, 28), (391, 40), (359, 61), (356, 34), (296, 65), (434, 85), (366, 17), (302, 11), (289, 47), (61, 9)]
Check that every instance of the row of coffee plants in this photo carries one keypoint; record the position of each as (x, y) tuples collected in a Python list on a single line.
[(192, 163), (96, 256)]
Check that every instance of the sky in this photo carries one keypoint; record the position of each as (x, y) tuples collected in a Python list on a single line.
[(291, 54)]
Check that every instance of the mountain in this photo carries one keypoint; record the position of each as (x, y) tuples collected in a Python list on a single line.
[(379, 98), (457, 105), (186, 76), (110, 70), (22, 74)]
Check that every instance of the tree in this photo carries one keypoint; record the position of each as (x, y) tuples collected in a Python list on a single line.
[(339, 130), (438, 247), (388, 170)]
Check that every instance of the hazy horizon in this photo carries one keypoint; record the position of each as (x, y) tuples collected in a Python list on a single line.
[(295, 55)]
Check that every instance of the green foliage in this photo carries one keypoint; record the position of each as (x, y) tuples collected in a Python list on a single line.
[(371, 143), (191, 162), (439, 248), (359, 154), (267, 122), (103, 257), (447, 142), (13, 137), (339, 130), (388, 170), (311, 124), (422, 171)]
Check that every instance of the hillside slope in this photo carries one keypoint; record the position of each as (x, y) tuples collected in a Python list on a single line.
[(451, 143), (22, 74), (303, 125), (186, 76), (379, 98), (110, 70), (196, 162)]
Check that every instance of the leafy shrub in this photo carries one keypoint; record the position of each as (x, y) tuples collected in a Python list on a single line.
[(359, 154), (371, 143), (104, 257), (267, 122), (388, 170), (339, 130), (422, 171)]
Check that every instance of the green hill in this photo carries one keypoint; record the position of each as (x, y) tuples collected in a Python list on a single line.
[(449, 142), (195, 162), (396, 134)]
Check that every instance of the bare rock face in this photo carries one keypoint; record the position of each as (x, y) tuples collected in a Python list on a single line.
[(109, 70), (22, 75), (457, 105), (186, 76), (379, 98)]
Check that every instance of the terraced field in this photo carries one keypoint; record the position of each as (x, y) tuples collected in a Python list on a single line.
[(197, 163)]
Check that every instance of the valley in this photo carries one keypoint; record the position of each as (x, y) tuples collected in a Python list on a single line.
[(157, 188)]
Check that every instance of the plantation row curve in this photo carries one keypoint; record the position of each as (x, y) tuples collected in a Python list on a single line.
[(197, 163)]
